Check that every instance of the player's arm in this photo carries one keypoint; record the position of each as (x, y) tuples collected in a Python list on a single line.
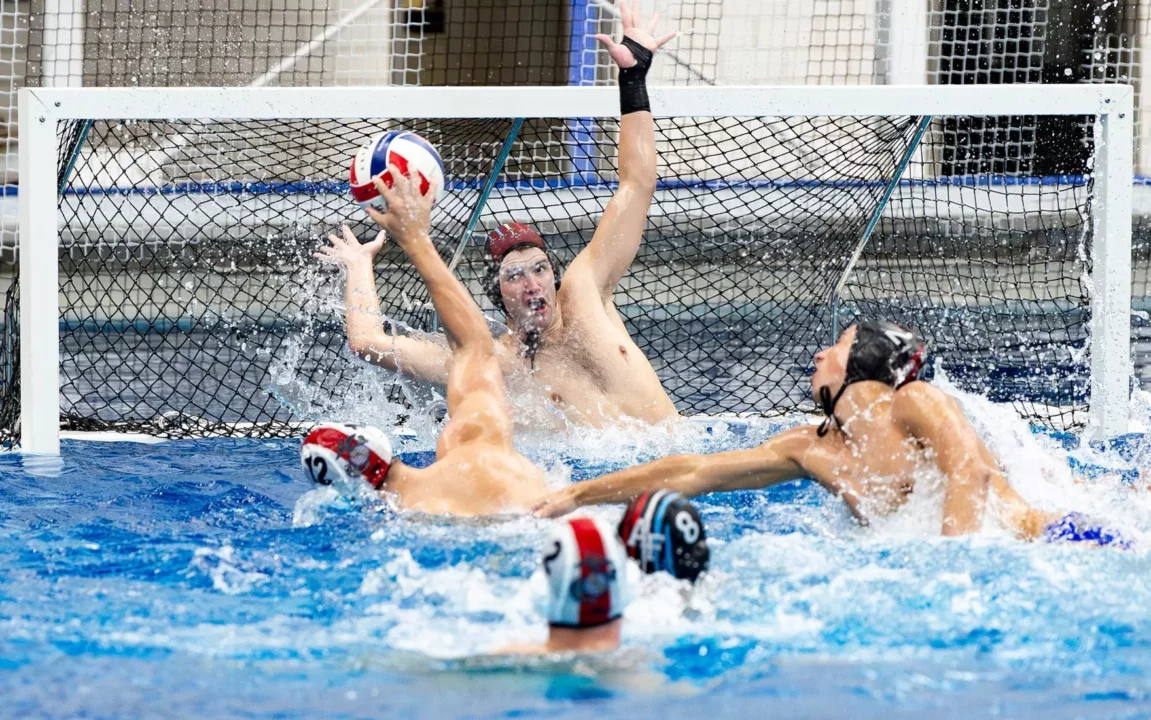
[(934, 419), (414, 357), (476, 382), (607, 257), (775, 461), (408, 221)]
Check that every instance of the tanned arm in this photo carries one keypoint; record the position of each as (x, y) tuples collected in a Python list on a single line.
[(476, 377), (607, 257), (408, 221), (934, 419), (775, 461), (414, 357)]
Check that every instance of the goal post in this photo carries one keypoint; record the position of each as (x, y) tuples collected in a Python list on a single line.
[(737, 185)]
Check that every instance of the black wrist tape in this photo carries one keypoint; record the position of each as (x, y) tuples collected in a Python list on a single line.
[(633, 80)]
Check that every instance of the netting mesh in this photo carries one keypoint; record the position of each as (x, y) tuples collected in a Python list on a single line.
[(992, 269), (191, 303)]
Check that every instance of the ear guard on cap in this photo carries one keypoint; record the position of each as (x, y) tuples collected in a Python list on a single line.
[(586, 569), (346, 457)]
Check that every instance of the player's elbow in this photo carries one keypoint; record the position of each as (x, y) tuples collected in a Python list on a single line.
[(640, 184), (365, 349), (360, 345), (689, 476)]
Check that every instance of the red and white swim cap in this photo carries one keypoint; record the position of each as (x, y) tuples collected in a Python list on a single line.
[(346, 456), (586, 567)]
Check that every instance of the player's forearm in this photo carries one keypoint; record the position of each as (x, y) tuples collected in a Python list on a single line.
[(462, 319), (637, 158), (362, 313), (677, 473), (637, 128), (1026, 522)]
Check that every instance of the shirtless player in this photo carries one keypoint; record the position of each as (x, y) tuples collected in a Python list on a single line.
[(572, 342), (477, 470), (883, 431)]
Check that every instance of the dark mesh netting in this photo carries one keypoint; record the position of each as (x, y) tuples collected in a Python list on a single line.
[(988, 259), (191, 304)]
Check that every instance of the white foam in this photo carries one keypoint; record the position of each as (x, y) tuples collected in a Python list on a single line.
[(225, 570)]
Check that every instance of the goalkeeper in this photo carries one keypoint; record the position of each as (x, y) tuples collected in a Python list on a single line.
[(570, 340)]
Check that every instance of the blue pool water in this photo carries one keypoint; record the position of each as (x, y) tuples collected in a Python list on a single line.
[(189, 578)]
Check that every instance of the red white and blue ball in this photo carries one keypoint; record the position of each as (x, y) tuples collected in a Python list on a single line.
[(410, 153)]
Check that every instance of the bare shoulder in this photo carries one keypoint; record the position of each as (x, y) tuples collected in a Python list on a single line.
[(481, 418), (793, 444), (924, 409), (578, 289), (918, 396), (799, 437), (578, 286)]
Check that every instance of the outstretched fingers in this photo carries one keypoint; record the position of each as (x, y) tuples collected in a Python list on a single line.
[(652, 23), (627, 14), (331, 250)]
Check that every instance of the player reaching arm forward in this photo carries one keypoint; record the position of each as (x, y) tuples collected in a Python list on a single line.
[(569, 338), (883, 430), (476, 471)]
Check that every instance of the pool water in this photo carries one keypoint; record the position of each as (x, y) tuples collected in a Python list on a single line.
[(205, 578)]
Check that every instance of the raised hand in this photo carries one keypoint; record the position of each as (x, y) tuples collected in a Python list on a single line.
[(347, 250), (409, 215), (633, 28)]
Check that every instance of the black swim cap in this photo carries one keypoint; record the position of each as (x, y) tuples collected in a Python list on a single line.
[(663, 531), (884, 351)]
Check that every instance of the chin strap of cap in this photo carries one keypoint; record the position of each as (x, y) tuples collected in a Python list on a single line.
[(827, 403)]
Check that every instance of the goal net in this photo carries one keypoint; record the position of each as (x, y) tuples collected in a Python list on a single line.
[(190, 303)]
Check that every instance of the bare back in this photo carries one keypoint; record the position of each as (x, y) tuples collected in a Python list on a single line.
[(893, 439), (474, 479), (477, 469)]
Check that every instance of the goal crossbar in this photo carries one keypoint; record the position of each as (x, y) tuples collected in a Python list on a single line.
[(42, 108)]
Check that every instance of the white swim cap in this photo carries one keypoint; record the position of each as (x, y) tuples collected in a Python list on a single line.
[(345, 456), (586, 568)]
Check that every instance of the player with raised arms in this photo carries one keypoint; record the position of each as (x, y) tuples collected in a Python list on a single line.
[(477, 471), (884, 430), (569, 338)]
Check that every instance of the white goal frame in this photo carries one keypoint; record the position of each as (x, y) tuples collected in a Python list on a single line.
[(41, 108)]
